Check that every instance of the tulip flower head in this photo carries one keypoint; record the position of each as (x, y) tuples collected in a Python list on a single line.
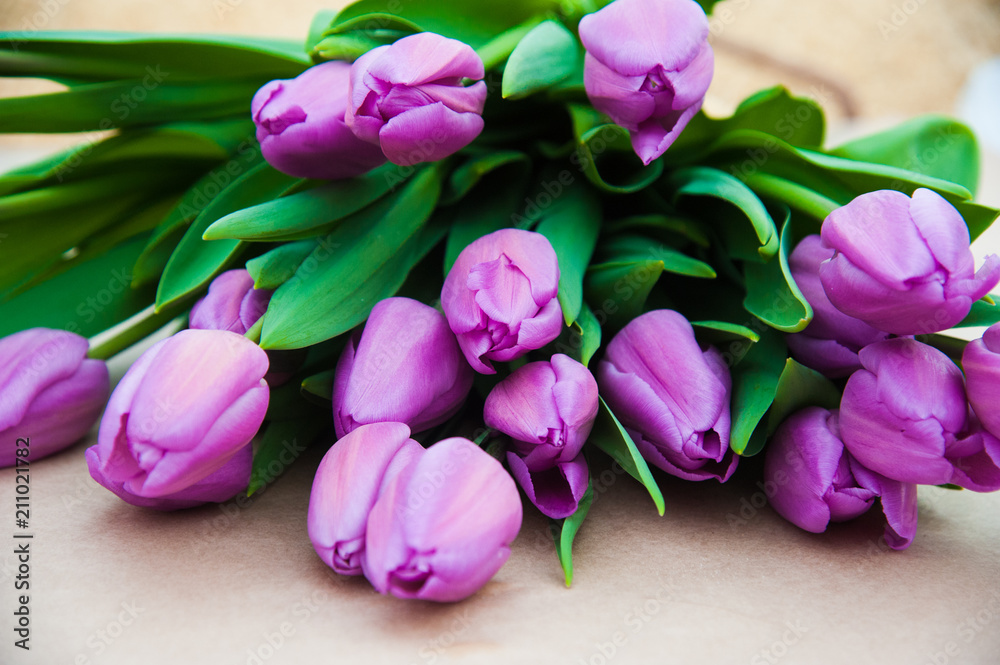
[(905, 416), (301, 129), (816, 481), (902, 264), (408, 98), (186, 407), (405, 367), (981, 362), (548, 409), (350, 478), (221, 485), (500, 297), (831, 341), (232, 303), (443, 526), (671, 395), (648, 67), (50, 392)]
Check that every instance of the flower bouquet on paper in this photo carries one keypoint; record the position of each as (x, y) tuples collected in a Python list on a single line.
[(471, 253)]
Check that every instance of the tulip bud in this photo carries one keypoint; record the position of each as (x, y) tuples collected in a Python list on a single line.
[(221, 485), (348, 481), (831, 341), (816, 481), (671, 395), (548, 409), (443, 526), (408, 98), (182, 411), (905, 416), (232, 304), (648, 67), (981, 362), (50, 392), (903, 265), (301, 130), (500, 297), (405, 367)]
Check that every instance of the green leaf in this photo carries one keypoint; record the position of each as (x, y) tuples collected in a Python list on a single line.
[(756, 374), (120, 55), (685, 227), (742, 220), (451, 18), (609, 435), (87, 299), (564, 532), (271, 270), (572, 225), (604, 154), (282, 443), (545, 56), (196, 261), (320, 386), (799, 387), (359, 266), (620, 290), (931, 144), (471, 172), (630, 248), (581, 340), (716, 332), (772, 294), (306, 214), (129, 103), (981, 314)]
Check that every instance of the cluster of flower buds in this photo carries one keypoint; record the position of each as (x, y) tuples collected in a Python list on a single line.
[(885, 267)]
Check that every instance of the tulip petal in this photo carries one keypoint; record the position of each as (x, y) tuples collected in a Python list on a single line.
[(427, 58), (428, 134), (555, 491)]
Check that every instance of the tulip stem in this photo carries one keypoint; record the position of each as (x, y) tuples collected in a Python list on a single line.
[(115, 340), (794, 195), (498, 49)]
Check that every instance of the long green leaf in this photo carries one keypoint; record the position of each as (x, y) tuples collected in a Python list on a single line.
[(564, 532), (609, 435), (545, 56), (772, 294), (572, 225)]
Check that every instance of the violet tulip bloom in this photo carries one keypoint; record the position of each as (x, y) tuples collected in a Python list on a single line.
[(184, 409), (671, 395), (301, 129), (831, 341), (812, 480), (500, 297), (221, 485), (548, 409), (348, 481), (408, 98), (648, 67), (902, 264), (443, 526), (231, 304), (50, 392), (981, 362), (905, 416), (404, 367)]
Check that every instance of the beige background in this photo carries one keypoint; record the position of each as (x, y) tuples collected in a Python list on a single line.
[(719, 579)]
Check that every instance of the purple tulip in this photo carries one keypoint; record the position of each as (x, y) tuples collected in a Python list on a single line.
[(408, 98), (184, 409), (231, 304), (905, 416), (350, 478), (812, 480), (442, 527), (548, 409), (500, 297), (301, 129), (981, 362), (405, 367), (831, 341), (671, 395), (50, 392), (648, 67), (903, 265), (221, 485)]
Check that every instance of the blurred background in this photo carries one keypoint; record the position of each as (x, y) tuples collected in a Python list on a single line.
[(870, 62)]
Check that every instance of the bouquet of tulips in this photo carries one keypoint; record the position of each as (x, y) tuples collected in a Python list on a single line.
[(483, 246)]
